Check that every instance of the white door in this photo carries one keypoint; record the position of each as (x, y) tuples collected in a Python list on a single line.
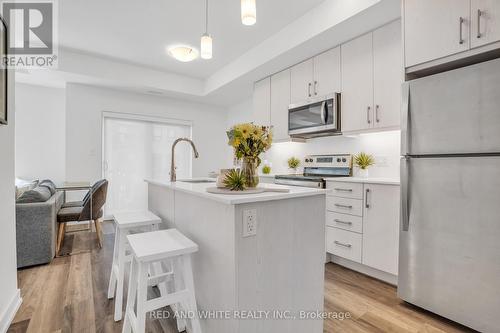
[(485, 22), (387, 75), (327, 72), (135, 150), (357, 84), (280, 100), (381, 227), (435, 29), (302, 81), (262, 102)]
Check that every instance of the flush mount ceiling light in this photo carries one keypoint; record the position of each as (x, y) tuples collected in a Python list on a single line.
[(248, 12), (206, 40), (183, 53)]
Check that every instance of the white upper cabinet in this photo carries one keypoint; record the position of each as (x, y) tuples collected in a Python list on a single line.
[(357, 84), (327, 72), (435, 29), (381, 227), (302, 81), (387, 75), (316, 77), (262, 102), (485, 22), (280, 100)]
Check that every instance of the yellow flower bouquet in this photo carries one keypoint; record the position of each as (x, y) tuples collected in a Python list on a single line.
[(249, 141)]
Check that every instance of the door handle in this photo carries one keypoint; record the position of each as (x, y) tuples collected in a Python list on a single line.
[(405, 119), (342, 222), (377, 107), (479, 14), (368, 120), (343, 206), (315, 85), (309, 89), (343, 244), (405, 210), (367, 204), (461, 24), (343, 189), (323, 113)]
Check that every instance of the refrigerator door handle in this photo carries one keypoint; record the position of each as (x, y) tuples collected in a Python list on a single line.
[(405, 119), (405, 210)]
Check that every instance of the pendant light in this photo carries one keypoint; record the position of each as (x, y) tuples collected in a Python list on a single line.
[(248, 12), (206, 40)]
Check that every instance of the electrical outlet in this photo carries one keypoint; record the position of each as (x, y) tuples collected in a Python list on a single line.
[(249, 222)]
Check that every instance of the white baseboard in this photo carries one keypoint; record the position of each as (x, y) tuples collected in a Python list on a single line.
[(10, 312), (375, 273)]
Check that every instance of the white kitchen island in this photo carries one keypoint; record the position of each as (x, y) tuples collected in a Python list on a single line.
[(247, 283)]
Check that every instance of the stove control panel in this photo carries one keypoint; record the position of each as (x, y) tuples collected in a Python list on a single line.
[(328, 161)]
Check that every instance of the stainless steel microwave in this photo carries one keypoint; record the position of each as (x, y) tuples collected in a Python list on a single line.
[(317, 117)]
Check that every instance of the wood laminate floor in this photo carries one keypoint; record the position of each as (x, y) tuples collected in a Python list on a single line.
[(69, 295)]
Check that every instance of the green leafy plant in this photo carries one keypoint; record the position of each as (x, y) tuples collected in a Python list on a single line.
[(266, 169), (363, 160), (235, 180), (293, 162)]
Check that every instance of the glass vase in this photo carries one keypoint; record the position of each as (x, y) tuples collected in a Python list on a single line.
[(249, 169)]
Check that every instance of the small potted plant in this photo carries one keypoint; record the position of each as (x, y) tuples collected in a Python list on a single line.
[(235, 180), (363, 161), (293, 164)]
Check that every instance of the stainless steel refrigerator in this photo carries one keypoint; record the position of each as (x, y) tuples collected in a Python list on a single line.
[(449, 259)]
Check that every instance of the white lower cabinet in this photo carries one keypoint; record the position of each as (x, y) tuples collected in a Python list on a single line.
[(364, 230), (381, 227), (344, 244)]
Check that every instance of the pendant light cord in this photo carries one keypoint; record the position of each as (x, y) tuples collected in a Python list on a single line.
[(206, 16)]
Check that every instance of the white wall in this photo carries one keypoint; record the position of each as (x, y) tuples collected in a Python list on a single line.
[(384, 146), (9, 294), (84, 107), (40, 132)]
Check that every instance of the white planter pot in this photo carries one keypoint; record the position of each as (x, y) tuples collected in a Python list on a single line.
[(363, 173)]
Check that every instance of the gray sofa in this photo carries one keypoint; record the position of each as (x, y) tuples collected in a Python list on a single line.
[(36, 226)]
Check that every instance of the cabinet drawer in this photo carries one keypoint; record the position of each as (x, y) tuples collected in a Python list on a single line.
[(344, 221), (346, 190), (345, 244), (344, 205)]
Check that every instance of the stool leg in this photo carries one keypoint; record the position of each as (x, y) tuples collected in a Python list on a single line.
[(189, 285), (131, 296), (112, 277), (142, 290), (120, 277)]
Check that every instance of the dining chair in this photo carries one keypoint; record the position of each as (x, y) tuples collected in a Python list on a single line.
[(87, 196), (83, 213)]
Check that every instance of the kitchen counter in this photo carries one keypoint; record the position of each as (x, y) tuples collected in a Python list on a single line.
[(257, 252), (368, 180)]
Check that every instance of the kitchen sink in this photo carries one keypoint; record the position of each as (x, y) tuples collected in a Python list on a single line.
[(198, 181)]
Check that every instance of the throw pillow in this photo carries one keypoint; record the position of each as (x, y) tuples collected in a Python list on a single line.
[(38, 194)]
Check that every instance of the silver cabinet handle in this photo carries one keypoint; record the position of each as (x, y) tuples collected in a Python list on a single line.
[(309, 89), (461, 24), (368, 115), (342, 244), (405, 210), (367, 204), (343, 189), (479, 14), (343, 206), (377, 107), (315, 85), (342, 222)]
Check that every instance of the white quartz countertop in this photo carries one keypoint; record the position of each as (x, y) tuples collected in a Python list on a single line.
[(368, 180), (200, 189)]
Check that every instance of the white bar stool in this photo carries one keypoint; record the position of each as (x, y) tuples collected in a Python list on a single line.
[(150, 248), (126, 223)]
